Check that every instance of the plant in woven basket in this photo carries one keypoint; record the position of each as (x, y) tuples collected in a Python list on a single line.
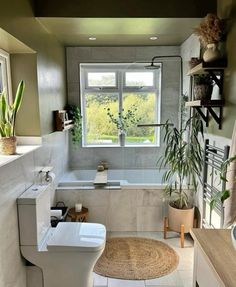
[(203, 86), (8, 114), (211, 30)]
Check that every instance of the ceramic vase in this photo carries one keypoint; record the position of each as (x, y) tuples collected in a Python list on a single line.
[(212, 53), (122, 138)]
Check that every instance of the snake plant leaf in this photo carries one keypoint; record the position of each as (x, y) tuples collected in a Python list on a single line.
[(3, 108), (19, 95), (8, 129)]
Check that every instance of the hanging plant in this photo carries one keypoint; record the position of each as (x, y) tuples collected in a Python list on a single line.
[(75, 115)]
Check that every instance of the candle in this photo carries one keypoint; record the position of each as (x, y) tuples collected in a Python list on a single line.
[(78, 207)]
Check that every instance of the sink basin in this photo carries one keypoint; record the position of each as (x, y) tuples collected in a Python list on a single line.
[(233, 235)]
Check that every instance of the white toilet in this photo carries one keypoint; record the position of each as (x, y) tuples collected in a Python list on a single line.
[(66, 254)]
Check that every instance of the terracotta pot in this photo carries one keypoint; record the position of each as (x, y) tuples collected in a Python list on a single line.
[(8, 145), (202, 92), (211, 53), (177, 217)]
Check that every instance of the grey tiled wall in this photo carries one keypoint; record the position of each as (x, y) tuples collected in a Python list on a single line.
[(128, 157)]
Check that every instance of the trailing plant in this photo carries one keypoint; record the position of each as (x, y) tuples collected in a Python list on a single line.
[(183, 160), (221, 196), (124, 119), (75, 115), (203, 79), (9, 111)]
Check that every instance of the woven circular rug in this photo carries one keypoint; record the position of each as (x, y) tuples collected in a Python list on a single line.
[(136, 258)]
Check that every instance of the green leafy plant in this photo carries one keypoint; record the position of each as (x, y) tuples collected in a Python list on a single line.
[(183, 160), (75, 115), (203, 80), (8, 111), (124, 119), (221, 196)]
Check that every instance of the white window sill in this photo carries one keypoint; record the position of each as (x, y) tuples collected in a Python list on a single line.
[(118, 146), (21, 149)]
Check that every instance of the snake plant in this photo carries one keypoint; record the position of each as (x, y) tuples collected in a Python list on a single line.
[(8, 111)]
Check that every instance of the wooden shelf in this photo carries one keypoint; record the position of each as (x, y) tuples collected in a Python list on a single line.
[(204, 67), (204, 103)]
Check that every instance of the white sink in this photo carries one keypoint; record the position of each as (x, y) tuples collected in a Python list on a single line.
[(233, 235)]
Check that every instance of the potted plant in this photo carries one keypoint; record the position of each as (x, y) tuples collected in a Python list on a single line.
[(211, 31), (8, 114), (75, 115), (123, 121), (183, 160), (203, 86)]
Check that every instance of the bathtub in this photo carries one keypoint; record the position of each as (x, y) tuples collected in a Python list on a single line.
[(117, 178), (131, 201)]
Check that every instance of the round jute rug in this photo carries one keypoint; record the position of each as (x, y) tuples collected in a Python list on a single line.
[(136, 258)]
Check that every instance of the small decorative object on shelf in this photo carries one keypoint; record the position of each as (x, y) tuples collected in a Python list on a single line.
[(62, 121), (211, 31), (194, 62)]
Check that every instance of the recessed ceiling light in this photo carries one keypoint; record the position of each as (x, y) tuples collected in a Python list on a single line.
[(92, 38), (153, 38)]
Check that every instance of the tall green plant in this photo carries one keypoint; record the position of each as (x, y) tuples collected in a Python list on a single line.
[(8, 111), (183, 160)]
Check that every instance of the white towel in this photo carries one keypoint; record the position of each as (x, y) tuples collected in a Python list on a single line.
[(230, 203)]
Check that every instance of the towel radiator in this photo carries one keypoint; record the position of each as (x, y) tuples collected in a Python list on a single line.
[(211, 182)]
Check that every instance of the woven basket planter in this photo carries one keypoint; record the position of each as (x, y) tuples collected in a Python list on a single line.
[(203, 92), (8, 145)]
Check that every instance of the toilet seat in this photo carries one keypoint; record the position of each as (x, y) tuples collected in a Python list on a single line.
[(74, 236)]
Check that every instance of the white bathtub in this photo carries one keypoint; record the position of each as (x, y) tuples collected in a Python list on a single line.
[(117, 178)]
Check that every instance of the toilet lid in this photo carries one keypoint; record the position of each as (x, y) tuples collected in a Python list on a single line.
[(72, 236)]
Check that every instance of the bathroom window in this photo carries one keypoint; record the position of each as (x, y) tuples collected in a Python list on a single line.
[(5, 75), (119, 87)]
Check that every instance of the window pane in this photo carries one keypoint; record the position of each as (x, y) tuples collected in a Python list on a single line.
[(139, 79), (102, 79), (99, 130), (145, 104)]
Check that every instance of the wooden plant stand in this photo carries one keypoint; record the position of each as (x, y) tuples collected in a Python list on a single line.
[(181, 230)]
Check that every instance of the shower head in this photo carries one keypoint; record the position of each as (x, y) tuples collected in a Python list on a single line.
[(152, 66)]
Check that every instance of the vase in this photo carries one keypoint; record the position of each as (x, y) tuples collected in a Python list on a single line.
[(212, 53), (8, 145), (202, 92), (122, 138)]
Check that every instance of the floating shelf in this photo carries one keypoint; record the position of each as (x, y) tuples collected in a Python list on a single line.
[(208, 105), (204, 67)]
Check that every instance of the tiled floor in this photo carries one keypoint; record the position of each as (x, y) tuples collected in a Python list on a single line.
[(181, 277)]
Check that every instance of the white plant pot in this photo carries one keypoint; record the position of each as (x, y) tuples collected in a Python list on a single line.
[(212, 53), (177, 217)]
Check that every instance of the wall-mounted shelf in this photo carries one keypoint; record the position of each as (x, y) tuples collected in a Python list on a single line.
[(208, 105), (61, 120), (216, 71)]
